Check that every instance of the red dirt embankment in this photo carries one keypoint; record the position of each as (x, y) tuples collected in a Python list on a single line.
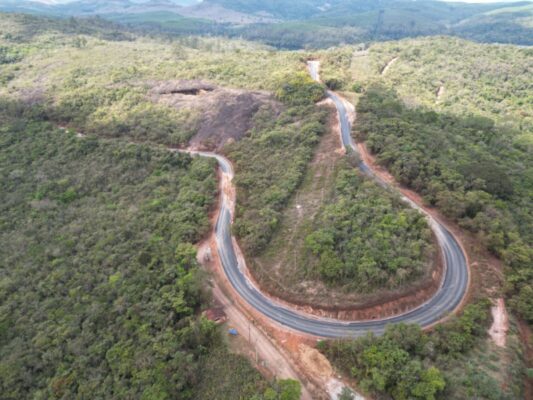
[(527, 338)]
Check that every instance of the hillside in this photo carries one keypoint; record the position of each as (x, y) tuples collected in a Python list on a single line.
[(106, 297), (452, 120), (102, 295), (309, 23), (114, 252)]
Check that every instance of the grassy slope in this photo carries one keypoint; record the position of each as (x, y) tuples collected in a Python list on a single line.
[(490, 80), (229, 62), (100, 85)]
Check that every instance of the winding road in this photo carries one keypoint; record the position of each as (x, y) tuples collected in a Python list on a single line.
[(445, 301)]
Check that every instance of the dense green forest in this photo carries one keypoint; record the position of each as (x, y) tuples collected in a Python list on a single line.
[(447, 363), (366, 240), (101, 290), (471, 169)]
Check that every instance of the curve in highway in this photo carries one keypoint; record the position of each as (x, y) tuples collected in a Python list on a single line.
[(453, 287)]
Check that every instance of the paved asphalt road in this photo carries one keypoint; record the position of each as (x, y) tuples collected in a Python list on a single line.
[(445, 301)]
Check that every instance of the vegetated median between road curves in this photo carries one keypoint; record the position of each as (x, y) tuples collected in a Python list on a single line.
[(446, 300)]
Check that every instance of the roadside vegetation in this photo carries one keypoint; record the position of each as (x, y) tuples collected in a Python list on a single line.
[(366, 239), (466, 147), (406, 363), (270, 163), (101, 291), (452, 120), (471, 169)]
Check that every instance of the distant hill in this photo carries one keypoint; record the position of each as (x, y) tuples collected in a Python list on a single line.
[(307, 23), (305, 9), (93, 7)]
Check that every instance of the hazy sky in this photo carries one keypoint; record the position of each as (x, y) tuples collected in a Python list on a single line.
[(463, 1), (483, 1)]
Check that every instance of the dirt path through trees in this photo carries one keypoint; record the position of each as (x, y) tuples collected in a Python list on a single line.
[(389, 64)]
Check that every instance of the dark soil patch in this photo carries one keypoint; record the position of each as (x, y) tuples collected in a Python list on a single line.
[(224, 115)]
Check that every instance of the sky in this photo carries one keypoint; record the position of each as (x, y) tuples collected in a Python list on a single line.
[(463, 1), (482, 1)]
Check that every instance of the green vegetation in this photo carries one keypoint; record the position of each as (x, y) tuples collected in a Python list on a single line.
[(488, 80), (162, 22), (311, 23), (101, 290), (102, 302), (8, 56), (315, 24), (458, 129), (270, 164), (365, 239), (453, 120), (470, 168), (95, 82), (299, 89), (337, 239), (406, 363)]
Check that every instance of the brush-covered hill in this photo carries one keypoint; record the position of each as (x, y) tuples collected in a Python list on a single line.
[(101, 295), (308, 23), (452, 120)]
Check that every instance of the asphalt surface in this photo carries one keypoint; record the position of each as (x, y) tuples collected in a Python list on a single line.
[(450, 294)]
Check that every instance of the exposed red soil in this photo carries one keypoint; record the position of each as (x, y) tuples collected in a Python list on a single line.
[(500, 325), (388, 65)]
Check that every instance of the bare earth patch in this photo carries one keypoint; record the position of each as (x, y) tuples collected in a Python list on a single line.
[(225, 115), (440, 93), (500, 324)]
